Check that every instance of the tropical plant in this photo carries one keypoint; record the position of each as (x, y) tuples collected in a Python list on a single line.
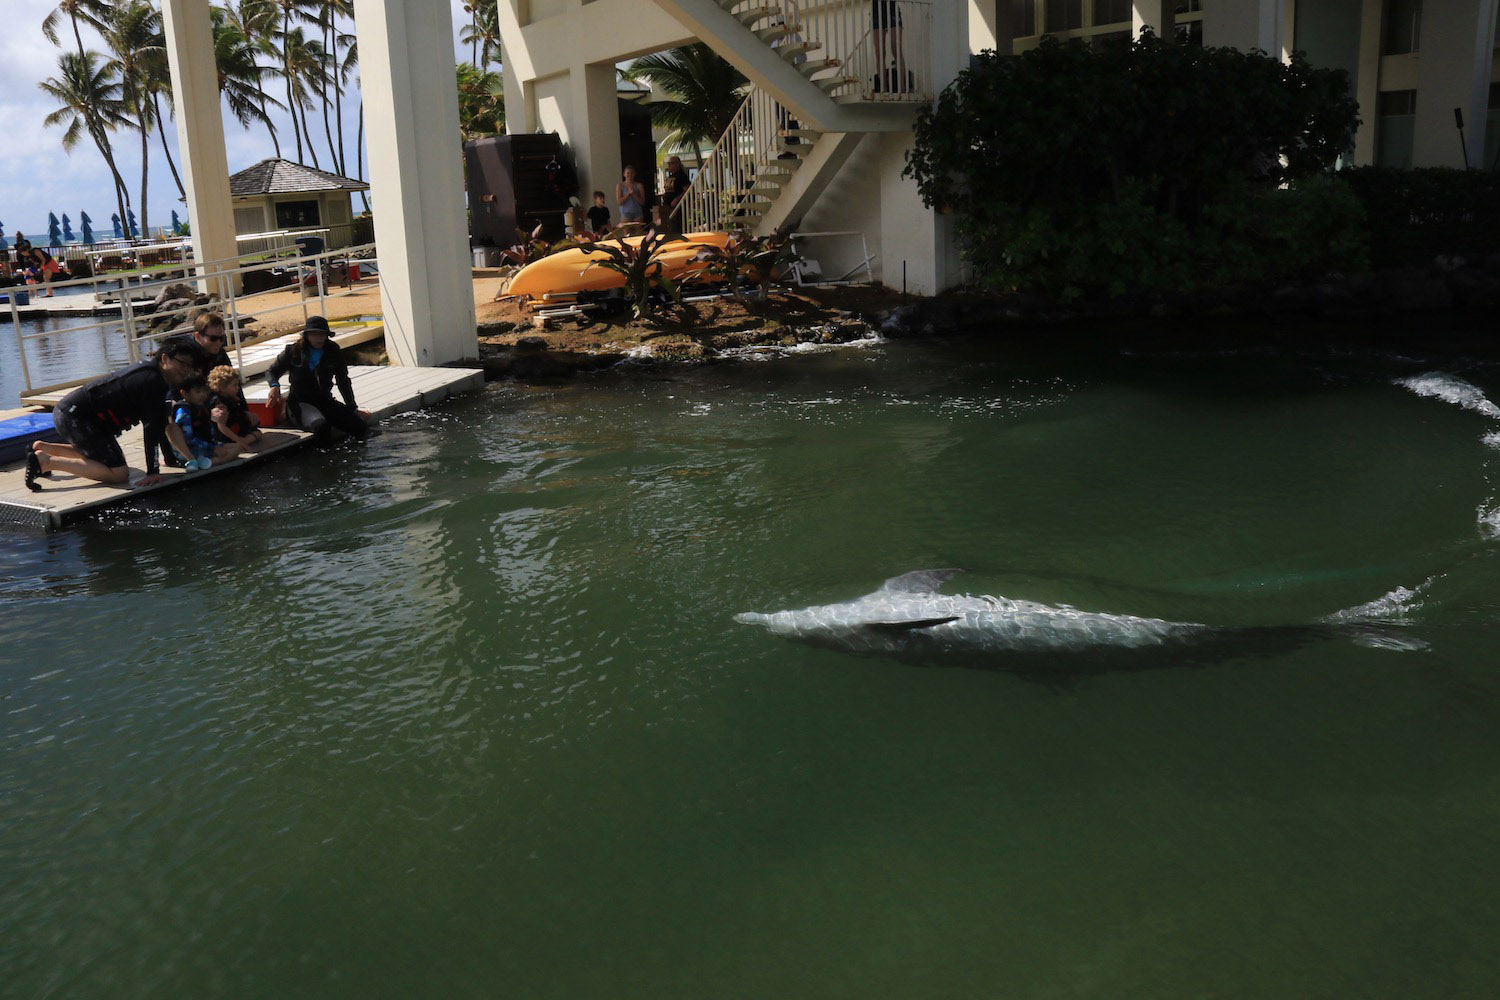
[(481, 102), (92, 106), (241, 76), (133, 33), (531, 247), (744, 257), (641, 264), (704, 92), (90, 12), (303, 62), (1073, 170), (482, 33)]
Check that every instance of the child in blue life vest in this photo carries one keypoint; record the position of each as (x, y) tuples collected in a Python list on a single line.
[(191, 417)]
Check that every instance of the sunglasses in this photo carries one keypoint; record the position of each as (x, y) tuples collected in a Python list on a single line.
[(214, 336)]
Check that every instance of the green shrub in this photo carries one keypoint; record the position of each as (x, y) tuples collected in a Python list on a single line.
[(1415, 215), (1140, 166)]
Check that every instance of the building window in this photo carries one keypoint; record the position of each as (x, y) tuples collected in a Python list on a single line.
[(1023, 18), (1064, 15), (1403, 27), (1188, 7), (1112, 11), (1396, 114), (297, 214)]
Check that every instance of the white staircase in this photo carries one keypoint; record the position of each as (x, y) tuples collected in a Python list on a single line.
[(825, 73)]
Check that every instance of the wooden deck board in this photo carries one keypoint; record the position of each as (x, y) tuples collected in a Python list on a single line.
[(383, 391)]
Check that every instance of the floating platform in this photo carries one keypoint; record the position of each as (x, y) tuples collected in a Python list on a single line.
[(383, 392)]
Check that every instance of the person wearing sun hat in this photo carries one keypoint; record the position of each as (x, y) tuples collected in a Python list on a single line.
[(312, 364)]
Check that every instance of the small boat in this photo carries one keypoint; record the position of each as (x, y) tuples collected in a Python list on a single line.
[(567, 272)]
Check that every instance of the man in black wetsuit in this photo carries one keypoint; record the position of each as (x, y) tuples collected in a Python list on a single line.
[(92, 418)]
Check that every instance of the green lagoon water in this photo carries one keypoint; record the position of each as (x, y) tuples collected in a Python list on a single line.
[(463, 712)]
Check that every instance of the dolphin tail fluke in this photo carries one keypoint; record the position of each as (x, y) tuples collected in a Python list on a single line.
[(1382, 623)]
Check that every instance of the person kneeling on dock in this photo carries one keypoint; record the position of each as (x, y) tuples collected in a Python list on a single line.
[(190, 414), (92, 418), (233, 421), (313, 364)]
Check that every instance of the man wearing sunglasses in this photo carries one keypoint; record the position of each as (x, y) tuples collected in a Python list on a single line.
[(210, 340)]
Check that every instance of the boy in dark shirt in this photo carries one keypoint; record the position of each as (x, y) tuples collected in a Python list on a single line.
[(599, 214)]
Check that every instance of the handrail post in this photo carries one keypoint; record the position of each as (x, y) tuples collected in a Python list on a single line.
[(15, 323), (234, 327), (301, 288), (322, 290), (127, 316)]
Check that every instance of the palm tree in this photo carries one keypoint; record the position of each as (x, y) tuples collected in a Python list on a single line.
[(481, 102), (91, 104), (294, 48), (255, 22), (705, 92), (241, 75), (303, 60), (90, 12), (482, 32), (133, 32)]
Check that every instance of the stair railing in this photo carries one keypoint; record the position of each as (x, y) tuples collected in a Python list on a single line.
[(722, 193)]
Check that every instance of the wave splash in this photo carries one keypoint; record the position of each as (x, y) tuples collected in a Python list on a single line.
[(1451, 389)]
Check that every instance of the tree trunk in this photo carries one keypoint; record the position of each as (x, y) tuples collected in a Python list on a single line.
[(359, 151), (286, 72), (161, 130), (311, 149), (338, 106), (145, 170), (121, 197)]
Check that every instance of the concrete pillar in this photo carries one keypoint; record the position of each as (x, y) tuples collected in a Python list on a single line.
[(1247, 25), (1154, 14), (990, 27), (593, 129), (1367, 81), (1458, 41), (416, 179), (200, 130)]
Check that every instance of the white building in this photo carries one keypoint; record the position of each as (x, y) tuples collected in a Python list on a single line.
[(821, 142), (276, 195)]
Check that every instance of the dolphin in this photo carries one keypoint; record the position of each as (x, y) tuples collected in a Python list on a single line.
[(907, 619)]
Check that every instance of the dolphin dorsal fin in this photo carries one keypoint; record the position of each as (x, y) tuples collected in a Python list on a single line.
[(911, 625), (920, 582)]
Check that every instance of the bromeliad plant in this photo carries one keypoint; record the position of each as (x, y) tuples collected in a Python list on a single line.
[(755, 260), (641, 265), (531, 248)]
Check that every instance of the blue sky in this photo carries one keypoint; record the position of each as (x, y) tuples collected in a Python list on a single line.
[(37, 177)]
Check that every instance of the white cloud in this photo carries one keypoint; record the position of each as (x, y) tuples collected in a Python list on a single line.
[(37, 176)]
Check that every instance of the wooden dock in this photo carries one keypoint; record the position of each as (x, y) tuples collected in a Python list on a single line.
[(382, 391)]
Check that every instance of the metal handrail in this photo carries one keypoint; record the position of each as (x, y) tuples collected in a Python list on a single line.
[(139, 333)]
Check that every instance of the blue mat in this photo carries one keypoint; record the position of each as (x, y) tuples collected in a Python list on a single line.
[(17, 433)]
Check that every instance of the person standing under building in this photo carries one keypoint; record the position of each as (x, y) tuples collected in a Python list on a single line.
[(673, 188)]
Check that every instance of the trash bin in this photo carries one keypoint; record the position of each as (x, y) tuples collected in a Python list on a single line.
[(479, 257), (23, 297), (311, 245), (354, 274)]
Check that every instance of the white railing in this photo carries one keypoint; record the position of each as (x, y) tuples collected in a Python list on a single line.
[(846, 44), (316, 278), (728, 187)]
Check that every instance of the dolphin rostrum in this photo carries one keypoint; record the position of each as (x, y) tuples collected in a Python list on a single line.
[(908, 619)]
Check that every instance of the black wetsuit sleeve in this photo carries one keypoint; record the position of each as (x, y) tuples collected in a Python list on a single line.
[(341, 376), (280, 366), (154, 425)]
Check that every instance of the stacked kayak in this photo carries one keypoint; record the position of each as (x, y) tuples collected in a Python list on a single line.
[(567, 272)]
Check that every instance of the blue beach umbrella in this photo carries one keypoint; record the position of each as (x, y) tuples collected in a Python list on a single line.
[(54, 232), (4, 243), (88, 227), (176, 225), (67, 229), (115, 218), (135, 230)]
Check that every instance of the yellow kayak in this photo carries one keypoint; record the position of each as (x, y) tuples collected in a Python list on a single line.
[(564, 272)]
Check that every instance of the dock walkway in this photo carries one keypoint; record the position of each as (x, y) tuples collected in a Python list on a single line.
[(382, 391)]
